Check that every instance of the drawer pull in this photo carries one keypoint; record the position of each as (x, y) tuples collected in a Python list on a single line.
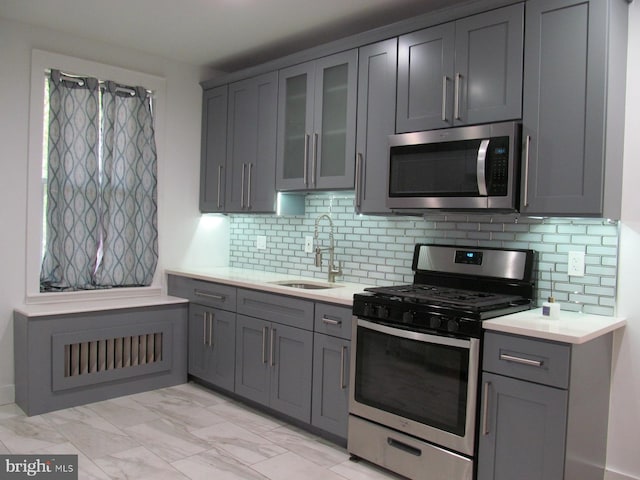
[(202, 293), (331, 321), (404, 447), (523, 361)]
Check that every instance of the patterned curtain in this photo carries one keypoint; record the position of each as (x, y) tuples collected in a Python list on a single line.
[(72, 185), (128, 193)]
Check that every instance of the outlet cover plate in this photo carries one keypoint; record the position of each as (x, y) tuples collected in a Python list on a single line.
[(261, 242), (575, 266), (308, 244)]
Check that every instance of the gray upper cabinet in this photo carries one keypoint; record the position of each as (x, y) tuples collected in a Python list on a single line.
[(573, 107), (377, 67), (316, 124), (251, 145), (213, 150), (463, 72)]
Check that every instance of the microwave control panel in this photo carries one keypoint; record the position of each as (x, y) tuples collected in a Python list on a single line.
[(498, 166)]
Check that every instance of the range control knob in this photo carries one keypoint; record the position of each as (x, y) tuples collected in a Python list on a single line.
[(435, 322), (407, 317), (383, 312), (367, 310), (452, 325)]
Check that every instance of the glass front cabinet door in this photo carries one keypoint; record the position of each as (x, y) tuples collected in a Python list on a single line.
[(316, 124)]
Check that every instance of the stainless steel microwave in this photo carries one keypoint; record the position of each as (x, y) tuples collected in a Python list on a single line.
[(463, 168)]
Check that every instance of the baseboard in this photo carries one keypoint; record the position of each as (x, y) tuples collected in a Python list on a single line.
[(7, 394), (611, 475)]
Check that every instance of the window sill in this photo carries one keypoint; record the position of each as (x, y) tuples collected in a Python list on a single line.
[(87, 295)]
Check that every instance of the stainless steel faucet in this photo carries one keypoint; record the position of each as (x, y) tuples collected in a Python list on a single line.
[(333, 272)]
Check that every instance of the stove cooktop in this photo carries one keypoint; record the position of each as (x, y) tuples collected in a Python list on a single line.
[(452, 297)]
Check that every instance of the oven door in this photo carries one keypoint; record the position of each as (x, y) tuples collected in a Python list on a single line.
[(419, 384)]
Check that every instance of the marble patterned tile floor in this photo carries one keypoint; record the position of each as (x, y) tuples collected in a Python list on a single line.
[(182, 432)]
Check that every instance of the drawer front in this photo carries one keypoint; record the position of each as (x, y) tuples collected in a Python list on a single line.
[(276, 308), (528, 359), (204, 293), (333, 320)]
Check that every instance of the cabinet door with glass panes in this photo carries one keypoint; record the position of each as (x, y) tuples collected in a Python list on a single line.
[(316, 124)]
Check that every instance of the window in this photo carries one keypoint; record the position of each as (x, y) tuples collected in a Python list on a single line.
[(100, 204), (93, 201)]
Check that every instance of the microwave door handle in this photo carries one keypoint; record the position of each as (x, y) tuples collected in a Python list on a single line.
[(481, 167)]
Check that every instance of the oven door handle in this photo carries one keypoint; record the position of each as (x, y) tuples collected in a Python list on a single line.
[(420, 337)]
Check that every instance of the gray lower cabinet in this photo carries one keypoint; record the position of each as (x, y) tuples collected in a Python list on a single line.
[(331, 354), (212, 335), (377, 66), (544, 409), (331, 384), (463, 72), (70, 359), (573, 107), (274, 366)]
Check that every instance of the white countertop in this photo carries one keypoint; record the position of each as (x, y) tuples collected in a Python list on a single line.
[(341, 293), (571, 327), (95, 305)]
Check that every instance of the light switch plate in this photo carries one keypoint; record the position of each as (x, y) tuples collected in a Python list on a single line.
[(575, 266), (261, 242)]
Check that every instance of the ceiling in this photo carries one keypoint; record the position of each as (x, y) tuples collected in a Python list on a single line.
[(223, 34)]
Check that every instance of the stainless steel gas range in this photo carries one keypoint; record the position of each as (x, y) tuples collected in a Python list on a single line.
[(416, 359)]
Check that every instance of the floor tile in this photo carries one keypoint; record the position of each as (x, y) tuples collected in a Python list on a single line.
[(246, 417), (95, 441), (290, 466), (11, 410), (123, 411), (22, 434), (240, 443), (87, 470), (138, 464), (166, 439), (308, 446), (216, 464), (363, 470)]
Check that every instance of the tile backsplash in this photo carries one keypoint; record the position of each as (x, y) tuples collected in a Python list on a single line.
[(378, 250)]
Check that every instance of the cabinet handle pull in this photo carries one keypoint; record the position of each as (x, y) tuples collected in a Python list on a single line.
[(485, 408), (244, 168), (527, 146), (305, 166), (249, 186), (204, 328), (342, 366), (456, 100), (273, 347), (219, 184), (211, 317), (202, 293), (314, 160), (264, 338), (331, 321), (523, 361), (359, 180), (445, 80)]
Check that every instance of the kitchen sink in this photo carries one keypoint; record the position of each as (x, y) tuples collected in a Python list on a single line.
[(305, 285)]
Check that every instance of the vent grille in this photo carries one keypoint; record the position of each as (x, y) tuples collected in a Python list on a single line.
[(109, 354)]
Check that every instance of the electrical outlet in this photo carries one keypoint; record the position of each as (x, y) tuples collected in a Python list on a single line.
[(575, 266), (261, 242), (308, 244)]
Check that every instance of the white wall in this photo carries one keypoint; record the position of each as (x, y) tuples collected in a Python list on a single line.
[(186, 238), (624, 420)]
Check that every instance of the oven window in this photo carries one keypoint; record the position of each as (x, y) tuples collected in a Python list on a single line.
[(424, 382)]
